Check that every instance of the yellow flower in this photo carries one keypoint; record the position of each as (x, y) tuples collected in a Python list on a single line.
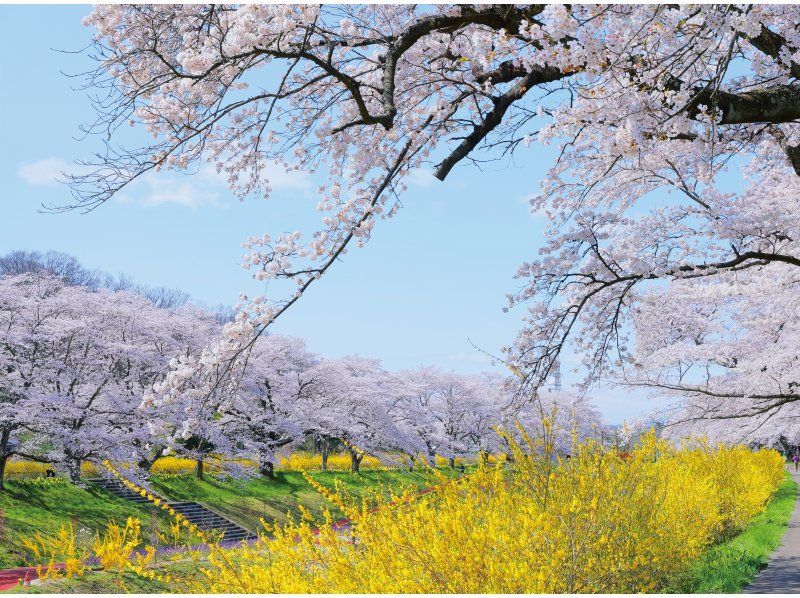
[(600, 522)]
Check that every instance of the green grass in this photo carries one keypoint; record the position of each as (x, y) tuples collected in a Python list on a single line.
[(729, 566), (244, 501), (247, 501), (124, 582), (100, 582), (30, 508)]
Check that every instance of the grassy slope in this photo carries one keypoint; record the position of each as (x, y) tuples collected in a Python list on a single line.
[(246, 501), (30, 508), (731, 565), (126, 582), (44, 509)]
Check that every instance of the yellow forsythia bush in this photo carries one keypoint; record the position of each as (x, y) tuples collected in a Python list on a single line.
[(22, 469), (302, 461), (16, 468), (63, 548), (173, 465), (115, 548), (600, 521), (744, 480)]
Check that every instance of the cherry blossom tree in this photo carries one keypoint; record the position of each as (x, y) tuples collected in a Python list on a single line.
[(59, 371), (76, 363), (728, 351), (448, 414), (350, 402), (263, 411), (412, 403), (642, 100), (459, 409), (24, 324), (185, 410)]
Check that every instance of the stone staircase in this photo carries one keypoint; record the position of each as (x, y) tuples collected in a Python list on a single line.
[(117, 488), (200, 515)]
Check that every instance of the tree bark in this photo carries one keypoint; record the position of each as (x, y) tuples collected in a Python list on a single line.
[(3, 461), (199, 469), (266, 468), (787, 449), (452, 462), (74, 467), (4, 455), (355, 461), (324, 450), (775, 104)]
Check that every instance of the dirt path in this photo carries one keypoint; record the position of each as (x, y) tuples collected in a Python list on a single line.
[(782, 575)]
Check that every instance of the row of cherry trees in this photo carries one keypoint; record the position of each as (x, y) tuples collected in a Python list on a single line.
[(95, 373), (76, 363)]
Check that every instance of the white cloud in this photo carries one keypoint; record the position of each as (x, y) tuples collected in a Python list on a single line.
[(43, 173), (205, 187), (421, 177), (281, 179), (183, 192)]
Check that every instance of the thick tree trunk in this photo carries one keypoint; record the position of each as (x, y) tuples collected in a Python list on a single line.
[(773, 104), (787, 450), (355, 461), (452, 462), (198, 471), (74, 467), (147, 462), (3, 461), (484, 457), (4, 455), (324, 450), (266, 468)]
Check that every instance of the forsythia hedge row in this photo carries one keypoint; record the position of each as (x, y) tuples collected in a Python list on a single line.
[(597, 522), (297, 461), (20, 468), (301, 461)]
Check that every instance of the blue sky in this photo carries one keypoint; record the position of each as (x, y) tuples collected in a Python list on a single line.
[(431, 280)]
